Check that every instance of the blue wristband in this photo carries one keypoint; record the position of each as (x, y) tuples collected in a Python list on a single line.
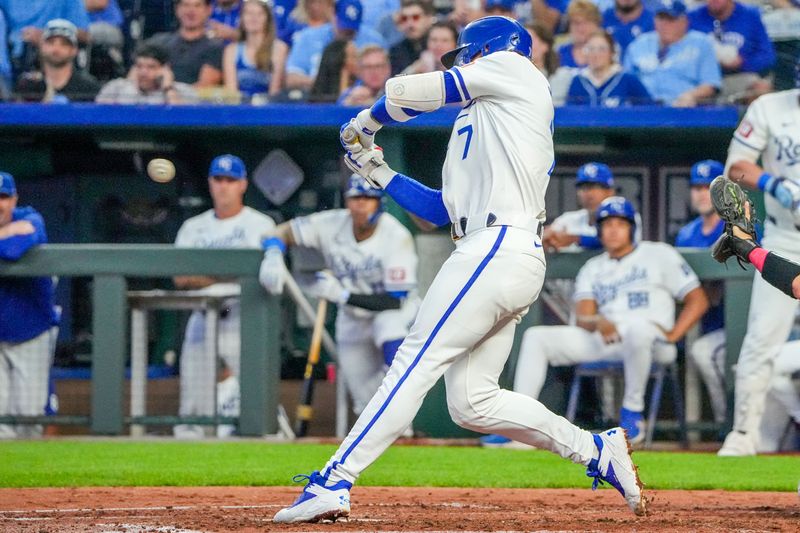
[(271, 242), (764, 180)]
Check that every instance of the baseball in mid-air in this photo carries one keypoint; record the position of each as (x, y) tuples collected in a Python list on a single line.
[(161, 170)]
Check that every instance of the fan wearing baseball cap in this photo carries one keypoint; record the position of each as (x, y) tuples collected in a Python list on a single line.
[(678, 66), (309, 43), (59, 80), (28, 318)]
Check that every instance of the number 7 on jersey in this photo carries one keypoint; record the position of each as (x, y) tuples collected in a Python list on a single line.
[(468, 130)]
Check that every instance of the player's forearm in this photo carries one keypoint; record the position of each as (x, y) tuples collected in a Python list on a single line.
[(781, 273), (193, 282), (745, 173), (695, 306), (416, 198), (284, 232)]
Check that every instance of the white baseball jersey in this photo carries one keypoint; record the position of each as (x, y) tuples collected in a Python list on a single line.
[(500, 153), (771, 130), (644, 283)]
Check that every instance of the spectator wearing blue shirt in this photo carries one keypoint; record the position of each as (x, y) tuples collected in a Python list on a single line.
[(254, 64), (28, 317), (224, 20), (306, 14), (415, 20), (743, 47), (26, 20), (106, 20), (550, 14), (603, 83), (282, 9), (373, 72), (584, 20), (627, 20), (708, 351), (5, 62), (676, 65), (308, 44)]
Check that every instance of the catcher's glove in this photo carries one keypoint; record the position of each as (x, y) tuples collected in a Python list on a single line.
[(735, 208)]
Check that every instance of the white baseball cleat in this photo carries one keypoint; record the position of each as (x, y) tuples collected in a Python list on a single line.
[(737, 444), (615, 466), (317, 502)]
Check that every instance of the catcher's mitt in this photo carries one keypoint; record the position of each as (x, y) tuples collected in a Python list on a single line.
[(735, 208)]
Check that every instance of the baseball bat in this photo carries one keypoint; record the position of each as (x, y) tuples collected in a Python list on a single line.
[(305, 411), (297, 295)]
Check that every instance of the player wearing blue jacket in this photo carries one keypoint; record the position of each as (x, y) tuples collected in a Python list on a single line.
[(627, 20), (27, 317), (708, 351)]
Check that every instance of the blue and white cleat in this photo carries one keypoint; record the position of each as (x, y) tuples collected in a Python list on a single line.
[(317, 502), (615, 466), (494, 441), (633, 424)]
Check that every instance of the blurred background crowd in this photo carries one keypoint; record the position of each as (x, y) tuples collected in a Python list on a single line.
[(606, 53)]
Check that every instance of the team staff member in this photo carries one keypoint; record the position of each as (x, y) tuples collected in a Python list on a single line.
[(707, 351), (493, 187), (230, 224), (372, 277), (769, 133), (625, 311), (28, 317)]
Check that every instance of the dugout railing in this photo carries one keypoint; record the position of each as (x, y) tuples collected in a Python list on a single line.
[(110, 266)]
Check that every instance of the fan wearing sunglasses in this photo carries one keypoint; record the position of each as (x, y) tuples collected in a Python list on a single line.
[(414, 20)]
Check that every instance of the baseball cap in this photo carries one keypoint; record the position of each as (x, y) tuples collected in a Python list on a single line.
[(671, 8), (704, 172), (61, 28), (348, 14), (508, 5), (598, 173), (229, 166), (358, 186), (7, 185)]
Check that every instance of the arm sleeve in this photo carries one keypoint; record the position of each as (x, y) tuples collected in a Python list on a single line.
[(14, 247), (751, 137), (679, 278), (374, 302), (780, 273), (583, 284), (306, 230), (400, 264), (590, 242), (761, 55), (418, 199), (298, 62)]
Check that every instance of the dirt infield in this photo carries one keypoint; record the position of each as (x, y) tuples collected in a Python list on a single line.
[(172, 509)]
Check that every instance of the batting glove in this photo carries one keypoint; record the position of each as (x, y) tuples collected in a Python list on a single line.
[(369, 164), (359, 133), (785, 191), (329, 288), (272, 274)]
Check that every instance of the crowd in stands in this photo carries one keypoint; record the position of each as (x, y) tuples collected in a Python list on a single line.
[(600, 53)]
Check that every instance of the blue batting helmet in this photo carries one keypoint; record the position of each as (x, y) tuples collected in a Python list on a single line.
[(486, 36), (616, 206), (704, 172), (598, 173), (358, 186)]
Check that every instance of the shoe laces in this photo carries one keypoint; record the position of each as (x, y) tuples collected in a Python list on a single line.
[(597, 475), (306, 478)]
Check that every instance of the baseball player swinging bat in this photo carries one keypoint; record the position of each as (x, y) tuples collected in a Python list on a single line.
[(304, 409)]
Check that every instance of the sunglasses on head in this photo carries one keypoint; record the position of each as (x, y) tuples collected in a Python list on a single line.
[(414, 18)]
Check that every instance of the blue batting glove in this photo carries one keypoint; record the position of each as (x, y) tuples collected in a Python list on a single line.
[(778, 188), (273, 242)]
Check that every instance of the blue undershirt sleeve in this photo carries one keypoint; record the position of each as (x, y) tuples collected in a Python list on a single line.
[(590, 243), (418, 199), (14, 247)]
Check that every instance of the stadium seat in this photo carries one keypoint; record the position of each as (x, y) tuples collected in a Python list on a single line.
[(658, 371)]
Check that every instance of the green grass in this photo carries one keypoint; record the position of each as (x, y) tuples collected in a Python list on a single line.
[(65, 463)]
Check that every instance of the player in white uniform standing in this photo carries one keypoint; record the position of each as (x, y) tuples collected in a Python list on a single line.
[(770, 130), (493, 186), (625, 311), (372, 277), (230, 224)]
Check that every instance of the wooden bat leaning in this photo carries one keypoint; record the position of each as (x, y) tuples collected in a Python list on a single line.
[(305, 410)]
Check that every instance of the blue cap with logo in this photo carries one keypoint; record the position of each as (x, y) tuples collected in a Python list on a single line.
[(616, 206), (228, 166), (348, 14), (704, 172), (7, 185), (598, 173), (671, 8), (358, 186)]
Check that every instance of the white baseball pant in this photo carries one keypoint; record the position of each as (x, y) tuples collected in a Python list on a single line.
[(768, 326), (708, 355), (198, 369), (24, 375), (544, 346), (464, 330), (782, 387)]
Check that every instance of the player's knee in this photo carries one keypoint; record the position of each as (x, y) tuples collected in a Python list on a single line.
[(465, 410)]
